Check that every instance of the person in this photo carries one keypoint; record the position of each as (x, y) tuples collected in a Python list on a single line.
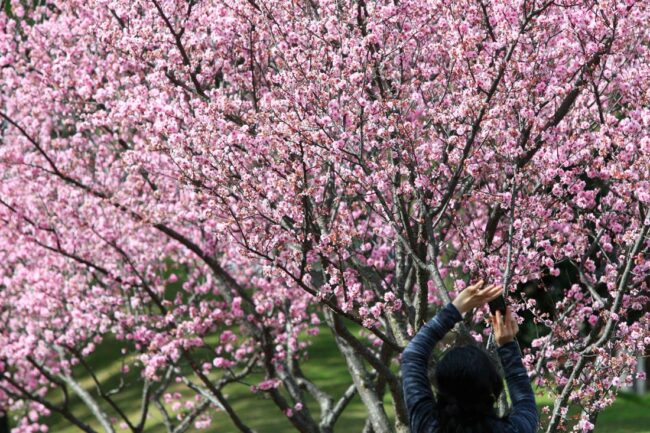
[(467, 381)]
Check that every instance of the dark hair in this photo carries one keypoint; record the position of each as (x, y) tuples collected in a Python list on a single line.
[(468, 385)]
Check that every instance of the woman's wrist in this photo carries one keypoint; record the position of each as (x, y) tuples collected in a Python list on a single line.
[(455, 309), (459, 305), (504, 343)]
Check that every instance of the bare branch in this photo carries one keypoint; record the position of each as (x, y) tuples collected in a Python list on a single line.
[(362, 381)]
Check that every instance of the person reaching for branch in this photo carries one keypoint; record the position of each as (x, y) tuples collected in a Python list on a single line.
[(467, 382)]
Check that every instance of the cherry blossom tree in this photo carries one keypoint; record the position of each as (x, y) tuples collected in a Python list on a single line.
[(290, 167)]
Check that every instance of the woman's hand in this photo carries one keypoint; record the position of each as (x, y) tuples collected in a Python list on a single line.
[(505, 329), (476, 295)]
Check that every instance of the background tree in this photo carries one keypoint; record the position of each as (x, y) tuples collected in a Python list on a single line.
[(350, 162)]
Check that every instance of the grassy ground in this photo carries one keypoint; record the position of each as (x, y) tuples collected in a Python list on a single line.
[(630, 414)]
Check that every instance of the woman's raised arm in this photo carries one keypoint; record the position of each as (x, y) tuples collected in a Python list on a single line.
[(415, 381), (523, 417)]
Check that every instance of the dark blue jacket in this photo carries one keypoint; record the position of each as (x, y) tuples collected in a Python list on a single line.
[(417, 389)]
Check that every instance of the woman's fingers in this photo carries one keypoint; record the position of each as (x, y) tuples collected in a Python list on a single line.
[(486, 287), (493, 292), (490, 292), (513, 327), (508, 327), (476, 286), (505, 326), (499, 321)]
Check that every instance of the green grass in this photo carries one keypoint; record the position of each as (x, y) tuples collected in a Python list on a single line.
[(630, 414)]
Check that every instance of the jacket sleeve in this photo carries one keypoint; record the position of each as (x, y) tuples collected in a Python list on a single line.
[(523, 416), (415, 381)]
